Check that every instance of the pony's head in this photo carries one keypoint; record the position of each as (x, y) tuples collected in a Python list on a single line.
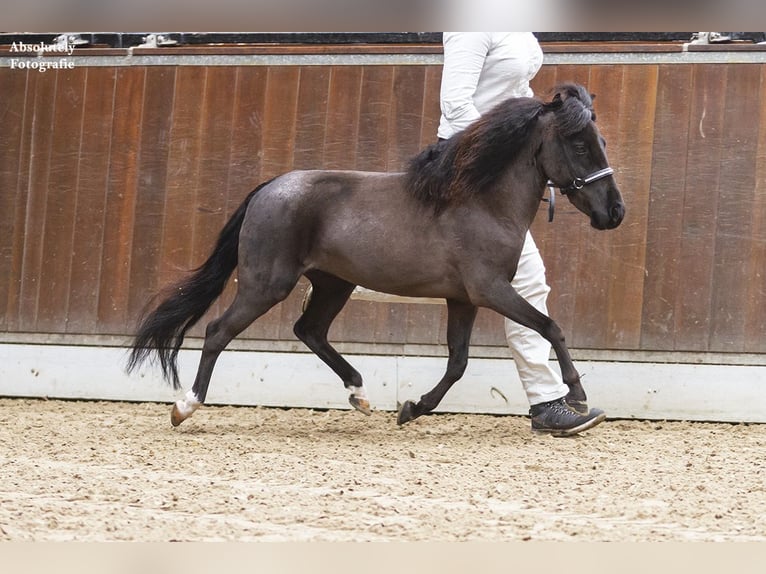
[(573, 157)]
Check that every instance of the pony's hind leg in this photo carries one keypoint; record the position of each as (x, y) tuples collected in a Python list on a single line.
[(248, 305), (460, 319), (329, 295)]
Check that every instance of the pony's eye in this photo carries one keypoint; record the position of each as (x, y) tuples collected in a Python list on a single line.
[(580, 148)]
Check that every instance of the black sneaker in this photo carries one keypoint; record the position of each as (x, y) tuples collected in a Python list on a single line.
[(556, 418)]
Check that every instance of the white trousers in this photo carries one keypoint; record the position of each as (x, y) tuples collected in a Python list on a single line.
[(530, 350)]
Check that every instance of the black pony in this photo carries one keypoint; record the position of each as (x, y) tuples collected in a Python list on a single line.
[(452, 226)]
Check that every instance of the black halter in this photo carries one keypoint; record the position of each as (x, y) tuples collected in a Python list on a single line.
[(577, 184)]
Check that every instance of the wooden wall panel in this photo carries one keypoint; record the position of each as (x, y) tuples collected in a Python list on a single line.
[(311, 117), (633, 155), (755, 314), (122, 187), (43, 115), (595, 248), (374, 112), (13, 129), (733, 225), (89, 225), (429, 119), (663, 224), (182, 175), (692, 319), (156, 117), (60, 200), (116, 181)]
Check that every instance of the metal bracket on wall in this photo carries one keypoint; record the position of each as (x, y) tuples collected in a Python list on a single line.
[(157, 41)]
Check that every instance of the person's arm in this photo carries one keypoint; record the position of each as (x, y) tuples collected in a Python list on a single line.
[(464, 55)]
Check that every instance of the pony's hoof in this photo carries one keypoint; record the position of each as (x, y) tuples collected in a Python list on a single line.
[(362, 405), (176, 416), (406, 413)]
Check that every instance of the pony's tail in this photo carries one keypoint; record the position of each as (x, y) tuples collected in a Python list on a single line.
[(163, 330)]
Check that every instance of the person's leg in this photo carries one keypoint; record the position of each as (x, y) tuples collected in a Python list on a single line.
[(529, 349), (544, 388)]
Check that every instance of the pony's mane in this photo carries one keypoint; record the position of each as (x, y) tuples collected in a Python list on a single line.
[(471, 161)]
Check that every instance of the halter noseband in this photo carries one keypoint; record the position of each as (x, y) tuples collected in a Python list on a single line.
[(577, 184)]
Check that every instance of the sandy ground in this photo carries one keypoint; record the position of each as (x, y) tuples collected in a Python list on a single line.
[(99, 471)]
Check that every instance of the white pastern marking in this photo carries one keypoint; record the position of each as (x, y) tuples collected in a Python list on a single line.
[(358, 392), (188, 405)]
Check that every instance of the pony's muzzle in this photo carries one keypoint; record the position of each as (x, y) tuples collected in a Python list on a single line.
[(609, 218), (616, 214)]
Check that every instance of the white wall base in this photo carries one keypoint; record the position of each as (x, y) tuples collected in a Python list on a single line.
[(623, 389)]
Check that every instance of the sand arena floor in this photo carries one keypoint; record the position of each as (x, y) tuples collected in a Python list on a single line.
[(103, 471)]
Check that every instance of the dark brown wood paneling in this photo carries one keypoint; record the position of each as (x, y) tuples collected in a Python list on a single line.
[(311, 117), (633, 156), (374, 112), (93, 174), (279, 120), (247, 134), (181, 180), (755, 314), (594, 251), (122, 186), (43, 115), (733, 231), (150, 194), (404, 120), (60, 205), (13, 122), (429, 121), (343, 115), (665, 204), (692, 317)]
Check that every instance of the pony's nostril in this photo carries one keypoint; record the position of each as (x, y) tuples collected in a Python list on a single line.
[(618, 211)]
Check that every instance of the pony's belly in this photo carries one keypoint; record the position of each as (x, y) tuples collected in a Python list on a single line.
[(396, 279)]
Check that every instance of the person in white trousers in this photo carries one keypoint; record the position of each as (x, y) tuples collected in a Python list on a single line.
[(481, 69)]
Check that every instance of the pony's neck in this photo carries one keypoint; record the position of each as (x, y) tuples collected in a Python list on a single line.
[(519, 190)]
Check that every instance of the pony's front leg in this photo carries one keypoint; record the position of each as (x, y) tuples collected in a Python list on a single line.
[(500, 296), (576, 397)]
